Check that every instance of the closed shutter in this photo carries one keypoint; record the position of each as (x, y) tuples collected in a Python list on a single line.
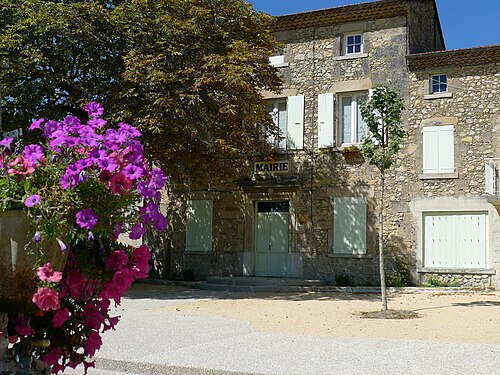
[(430, 150), (439, 149), (346, 120), (446, 149), (199, 225), (295, 131), (325, 120), (456, 240), (349, 225), (361, 124)]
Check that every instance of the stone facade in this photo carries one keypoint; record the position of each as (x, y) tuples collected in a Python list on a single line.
[(314, 64)]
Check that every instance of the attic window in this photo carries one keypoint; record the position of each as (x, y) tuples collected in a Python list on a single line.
[(353, 44), (439, 84), (276, 61)]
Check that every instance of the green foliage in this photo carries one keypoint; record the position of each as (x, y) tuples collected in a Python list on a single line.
[(188, 73), (382, 114), (342, 279), (437, 282)]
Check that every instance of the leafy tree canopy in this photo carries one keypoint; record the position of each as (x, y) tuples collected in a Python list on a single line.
[(188, 72)]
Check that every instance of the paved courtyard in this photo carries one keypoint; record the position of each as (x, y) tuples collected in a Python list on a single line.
[(174, 330)]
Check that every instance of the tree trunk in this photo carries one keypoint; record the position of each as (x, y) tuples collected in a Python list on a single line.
[(381, 241)]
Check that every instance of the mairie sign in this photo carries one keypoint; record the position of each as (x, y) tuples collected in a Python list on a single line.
[(263, 167)]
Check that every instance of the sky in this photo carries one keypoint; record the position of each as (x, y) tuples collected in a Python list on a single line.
[(465, 23)]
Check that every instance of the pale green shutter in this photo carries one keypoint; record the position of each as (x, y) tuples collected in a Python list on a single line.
[(431, 149), (199, 225), (349, 225), (361, 124), (295, 130), (446, 146), (325, 120)]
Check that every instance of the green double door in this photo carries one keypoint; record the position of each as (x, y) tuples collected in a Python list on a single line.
[(271, 255)]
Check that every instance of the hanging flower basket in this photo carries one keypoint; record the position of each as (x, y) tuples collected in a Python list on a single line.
[(17, 283), (352, 154)]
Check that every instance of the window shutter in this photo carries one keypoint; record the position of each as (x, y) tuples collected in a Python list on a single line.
[(325, 120), (361, 131), (199, 225), (346, 119), (349, 225), (446, 150), (430, 150), (295, 134)]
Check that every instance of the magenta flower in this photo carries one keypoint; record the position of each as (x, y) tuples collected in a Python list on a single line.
[(33, 154), (36, 124), (133, 172), (117, 260), (46, 299), (6, 142), (93, 343), (32, 200), (86, 218), (94, 109), (60, 317), (22, 326)]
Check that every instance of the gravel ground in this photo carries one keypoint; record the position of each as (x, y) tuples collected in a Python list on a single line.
[(155, 336)]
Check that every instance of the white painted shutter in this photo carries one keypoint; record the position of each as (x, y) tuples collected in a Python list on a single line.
[(446, 146), (430, 150), (347, 120), (199, 225), (489, 177), (295, 131), (349, 225), (325, 120)]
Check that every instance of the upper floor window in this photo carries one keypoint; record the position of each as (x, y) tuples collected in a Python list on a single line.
[(353, 44), (288, 116), (439, 83), (199, 215), (352, 126), (438, 149), (276, 61)]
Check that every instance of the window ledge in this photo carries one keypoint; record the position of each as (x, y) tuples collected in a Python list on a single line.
[(282, 65), (464, 271), (440, 95), (352, 256), (437, 176), (194, 252), (352, 56)]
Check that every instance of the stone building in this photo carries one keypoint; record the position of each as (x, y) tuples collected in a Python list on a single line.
[(312, 213)]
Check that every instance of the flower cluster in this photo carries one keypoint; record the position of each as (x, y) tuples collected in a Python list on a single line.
[(84, 188)]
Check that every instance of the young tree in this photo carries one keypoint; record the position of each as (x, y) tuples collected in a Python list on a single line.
[(382, 114), (188, 72)]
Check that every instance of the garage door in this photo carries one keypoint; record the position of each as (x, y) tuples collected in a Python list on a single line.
[(455, 240)]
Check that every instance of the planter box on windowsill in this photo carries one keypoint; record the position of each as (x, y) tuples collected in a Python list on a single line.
[(352, 156)]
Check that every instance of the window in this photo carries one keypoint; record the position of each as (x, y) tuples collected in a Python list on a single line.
[(438, 149), (349, 225), (353, 44), (288, 116), (439, 83), (455, 240), (352, 126), (199, 225), (277, 60)]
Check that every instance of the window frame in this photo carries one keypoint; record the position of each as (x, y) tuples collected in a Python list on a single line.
[(274, 104), (190, 231), (440, 154), (354, 44), (436, 81), (355, 115)]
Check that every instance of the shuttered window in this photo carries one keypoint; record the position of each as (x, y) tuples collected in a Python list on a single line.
[(456, 240), (352, 126), (349, 225), (288, 116), (199, 225), (439, 149), (325, 120)]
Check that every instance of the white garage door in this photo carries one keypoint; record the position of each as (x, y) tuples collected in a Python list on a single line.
[(455, 240)]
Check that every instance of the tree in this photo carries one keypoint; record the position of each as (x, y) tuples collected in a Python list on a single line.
[(188, 73), (382, 114)]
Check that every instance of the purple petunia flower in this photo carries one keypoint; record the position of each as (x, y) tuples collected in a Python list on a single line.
[(129, 129), (50, 127), (32, 200), (65, 181), (133, 172), (107, 163), (33, 154), (136, 232), (62, 245), (86, 218), (6, 142), (94, 109), (96, 122), (71, 121), (36, 124)]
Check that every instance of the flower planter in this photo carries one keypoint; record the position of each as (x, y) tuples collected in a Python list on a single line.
[(352, 156), (17, 283)]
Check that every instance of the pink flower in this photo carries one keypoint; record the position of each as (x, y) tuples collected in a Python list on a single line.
[(60, 317), (141, 258), (74, 281), (114, 289), (53, 357), (112, 322), (48, 273), (93, 343), (46, 299), (117, 260), (93, 317), (120, 183)]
